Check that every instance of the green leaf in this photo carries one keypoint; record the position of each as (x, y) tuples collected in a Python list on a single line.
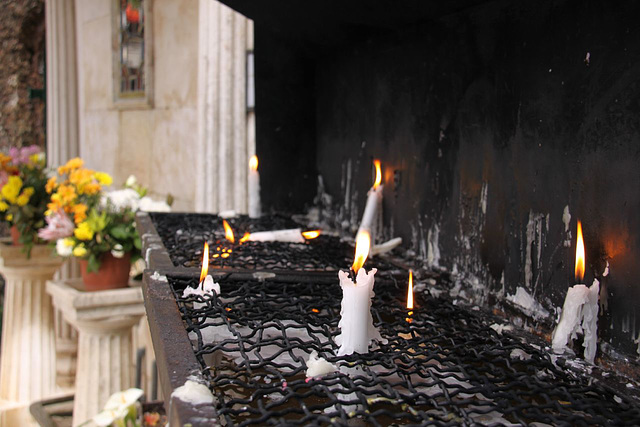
[(93, 264), (137, 242), (120, 232)]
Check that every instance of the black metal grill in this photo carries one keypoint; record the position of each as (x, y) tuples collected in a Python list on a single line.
[(183, 235), (445, 366)]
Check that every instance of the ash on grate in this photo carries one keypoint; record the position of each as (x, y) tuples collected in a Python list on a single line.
[(184, 235), (444, 365)]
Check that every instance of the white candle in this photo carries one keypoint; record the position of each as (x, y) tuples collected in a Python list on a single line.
[(254, 188), (356, 322), (579, 311), (293, 235), (579, 314), (206, 287), (372, 209)]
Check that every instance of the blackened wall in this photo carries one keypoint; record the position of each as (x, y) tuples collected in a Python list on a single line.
[(285, 122), (490, 121)]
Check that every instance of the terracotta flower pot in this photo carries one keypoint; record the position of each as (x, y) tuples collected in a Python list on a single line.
[(113, 273)]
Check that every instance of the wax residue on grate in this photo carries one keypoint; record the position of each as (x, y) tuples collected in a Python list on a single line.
[(444, 365), (183, 235)]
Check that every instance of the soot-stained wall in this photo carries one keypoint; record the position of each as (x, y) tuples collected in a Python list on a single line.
[(498, 124), (490, 123)]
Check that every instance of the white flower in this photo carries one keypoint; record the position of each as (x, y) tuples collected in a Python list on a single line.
[(131, 181), (147, 204), (117, 406), (63, 249), (121, 200), (117, 251)]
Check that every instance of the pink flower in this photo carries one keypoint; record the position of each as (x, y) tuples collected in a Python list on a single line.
[(59, 225), (20, 156)]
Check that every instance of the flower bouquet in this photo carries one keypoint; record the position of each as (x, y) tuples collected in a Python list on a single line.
[(23, 199), (94, 225)]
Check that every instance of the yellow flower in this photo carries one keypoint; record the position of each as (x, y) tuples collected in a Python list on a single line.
[(37, 158), (51, 184), (82, 178), (91, 188), (3, 206), (28, 191), (9, 217), (83, 232), (79, 213), (72, 164), (79, 251), (11, 189), (67, 194), (104, 178), (68, 241), (22, 200)]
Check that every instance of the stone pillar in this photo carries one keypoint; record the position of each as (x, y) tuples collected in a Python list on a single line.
[(62, 142), (66, 351), (104, 320), (224, 126), (62, 82), (27, 361)]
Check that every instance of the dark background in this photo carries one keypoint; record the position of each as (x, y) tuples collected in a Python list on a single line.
[(459, 98)]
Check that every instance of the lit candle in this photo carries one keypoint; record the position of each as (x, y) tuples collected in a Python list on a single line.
[(372, 208), (294, 235), (356, 322), (206, 285), (580, 309), (254, 188), (410, 298), (228, 231)]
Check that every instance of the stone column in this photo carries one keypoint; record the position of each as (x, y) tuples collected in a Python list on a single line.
[(104, 320), (66, 351), (27, 361), (62, 142), (62, 82), (224, 127)]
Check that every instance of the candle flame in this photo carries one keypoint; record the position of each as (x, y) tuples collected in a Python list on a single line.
[(228, 232), (311, 234), (580, 258), (363, 244), (253, 163), (246, 237), (205, 262), (378, 174), (410, 291)]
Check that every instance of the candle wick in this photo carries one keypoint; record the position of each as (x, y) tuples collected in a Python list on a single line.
[(352, 275)]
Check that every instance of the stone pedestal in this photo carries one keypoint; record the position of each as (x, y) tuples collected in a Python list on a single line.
[(104, 320), (27, 358)]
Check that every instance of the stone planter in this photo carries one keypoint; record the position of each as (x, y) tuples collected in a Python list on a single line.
[(27, 358), (104, 321)]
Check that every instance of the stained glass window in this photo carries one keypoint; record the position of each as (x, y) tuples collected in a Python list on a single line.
[(131, 70)]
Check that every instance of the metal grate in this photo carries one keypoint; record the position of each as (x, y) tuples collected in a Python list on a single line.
[(183, 235), (445, 367)]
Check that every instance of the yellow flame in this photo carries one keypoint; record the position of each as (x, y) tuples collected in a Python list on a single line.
[(410, 292), (246, 237), (580, 258), (378, 174), (205, 262), (311, 234), (363, 244), (228, 232), (253, 163)]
